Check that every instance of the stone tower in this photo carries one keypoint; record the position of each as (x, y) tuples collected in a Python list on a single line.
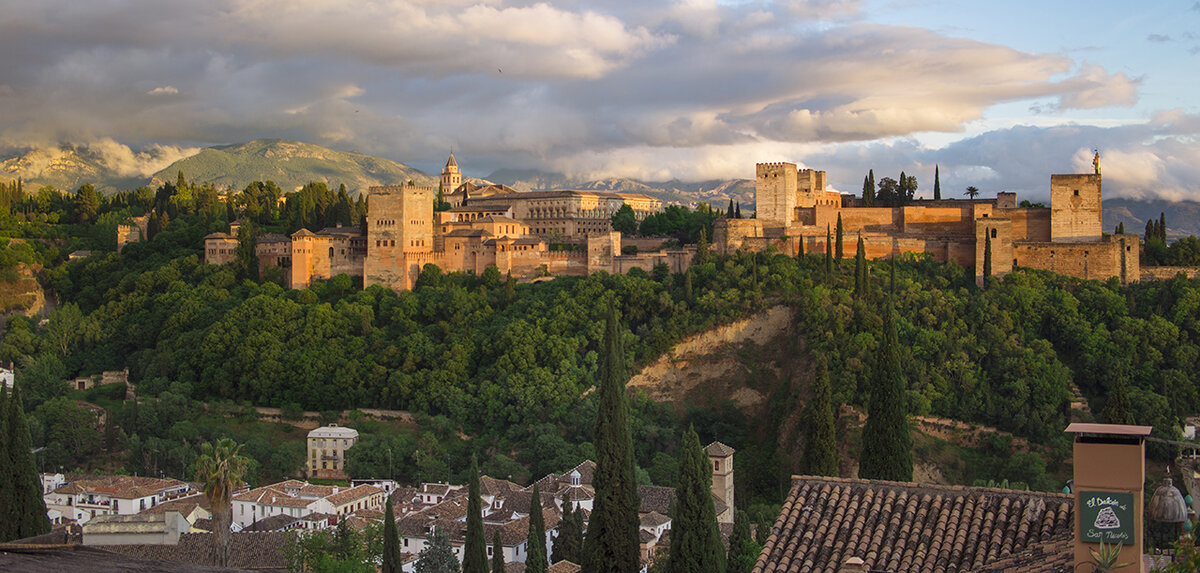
[(775, 193), (451, 176), (721, 457), (1075, 208), (399, 232)]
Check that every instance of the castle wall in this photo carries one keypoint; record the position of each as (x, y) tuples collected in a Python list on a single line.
[(730, 234), (1030, 224), (853, 220), (1075, 208), (999, 231), (1113, 256), (601, 250), (938, 221)]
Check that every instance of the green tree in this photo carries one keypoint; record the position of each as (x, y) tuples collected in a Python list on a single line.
[(860, 269), (972, 192), (625, 221), (497, 553), (86, 203), (695, 540), (475, 546), (737, 210), (729, 211), (987, 257), (871, 181), (837, 245), (570, 535), (535, 560), (868, 191), (886, 443), (828, 256), (391, 540), (22, 510), (220, 468), (743, 551), (438, 556), (247, 252), (702, 256), (820, 446), (937, 184), (612, 543), (1118, 409)]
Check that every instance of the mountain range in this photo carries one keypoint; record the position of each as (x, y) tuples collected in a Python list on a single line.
[(292, 164)]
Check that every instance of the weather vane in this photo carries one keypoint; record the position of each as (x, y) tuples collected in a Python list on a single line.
[(1096, 160)]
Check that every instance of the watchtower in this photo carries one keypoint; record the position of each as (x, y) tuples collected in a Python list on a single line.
[(721, 457), (1075, 208), (775, 187), (451, 176), (399, 222)]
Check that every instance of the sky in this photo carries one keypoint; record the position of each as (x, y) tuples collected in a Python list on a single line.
[(998, 95)]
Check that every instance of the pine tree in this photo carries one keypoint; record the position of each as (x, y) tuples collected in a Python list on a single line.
[(820, 447), (987, 257), (497, 553), (837, 245), (886, 443), (1117, 410), (937, 184), (612, 543), (475, 545), (391, 540), (24, 512), (535, 559), (743, 551), (695, 540)]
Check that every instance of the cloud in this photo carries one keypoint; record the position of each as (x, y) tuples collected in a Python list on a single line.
[(1158, 38), (1093, 88), (111, 157), (163, 90)]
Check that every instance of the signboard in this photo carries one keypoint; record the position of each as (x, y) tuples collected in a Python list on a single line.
[(1106, 516)]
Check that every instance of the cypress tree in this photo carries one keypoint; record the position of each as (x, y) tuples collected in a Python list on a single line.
[(729, 212), (867, 192), (695, 540), (871, 185), (828, 255), (535, 560), (475, 545), (886, 443), (7, 492), (510, 288), (570, 534), (702, 255), (25, 511), (391, 540), (987, 257), (837, 245), (742, 549), (800, 249), (612, 544), (937, 184), (497, 553), (1162, 226), (820, 448), (737, 213), (1117, 410), (860, 269), (688, 293)]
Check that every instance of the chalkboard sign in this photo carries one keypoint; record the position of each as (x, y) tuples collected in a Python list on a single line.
[(1106, 516)]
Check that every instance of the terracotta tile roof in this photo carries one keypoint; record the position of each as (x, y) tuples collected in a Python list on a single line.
[(519, 501), (718, 449), (273, 523), (564, 567), (514, 567), (905, 527), (659, 498), (184, 505), (1053, 556), (653, 519), (493, 486), (256, 550), (349, 495)]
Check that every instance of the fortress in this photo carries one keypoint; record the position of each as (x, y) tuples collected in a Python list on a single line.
[(796, 211), (496, 225), (483, 226)]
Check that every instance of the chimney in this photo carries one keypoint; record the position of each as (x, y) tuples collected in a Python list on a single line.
[(853, 565), (1110, 470)]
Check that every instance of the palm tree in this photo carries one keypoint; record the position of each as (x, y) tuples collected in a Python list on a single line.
[(220, 468), (972, 192)]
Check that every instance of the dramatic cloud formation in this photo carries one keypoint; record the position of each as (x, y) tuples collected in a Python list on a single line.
[(691, 89)]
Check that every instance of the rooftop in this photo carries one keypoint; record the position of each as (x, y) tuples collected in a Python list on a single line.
[(332, 431)]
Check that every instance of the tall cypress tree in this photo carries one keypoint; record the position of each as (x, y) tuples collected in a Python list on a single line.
[(475, 545), (800, 249), (871, 184), (7, 490), (737, 213), (535, 560), (695, 540), (743, 551), (987, 257), (612, 544), (497, 553), (391, 540), (570, 535), (886, 443), (937, 184), (837, 246), (702, 255), (860, 269), (867, 192), (828, 256), (24, 511), (1162, 226), (729, 213), (1117, 410), (820, 447)]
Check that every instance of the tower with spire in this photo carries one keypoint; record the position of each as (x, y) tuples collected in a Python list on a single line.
[(451, 176)]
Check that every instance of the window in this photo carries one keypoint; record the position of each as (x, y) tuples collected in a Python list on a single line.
[(1076, 192), (993, 233)]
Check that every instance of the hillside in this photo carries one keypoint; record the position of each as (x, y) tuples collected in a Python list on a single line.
[(290, 164), (68, 167), (716, 192), (1183, 217)]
